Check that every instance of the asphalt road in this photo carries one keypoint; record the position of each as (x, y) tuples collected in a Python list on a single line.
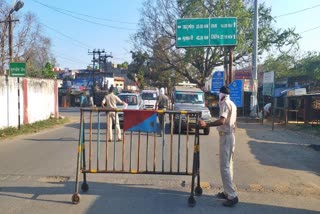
[(275, 172)]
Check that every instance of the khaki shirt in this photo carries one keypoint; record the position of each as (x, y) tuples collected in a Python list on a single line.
[(162, 101), (111, 100), (228, 110)]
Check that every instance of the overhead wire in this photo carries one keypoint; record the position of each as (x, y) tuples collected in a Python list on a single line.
[(74, 40), (86, 15), (79, 18), (298, 11), (311, 29), (69, 59)]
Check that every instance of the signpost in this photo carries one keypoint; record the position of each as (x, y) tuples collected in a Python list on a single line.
[(202, 32), (217, 81), (268, 89), (268, 80), (18, 69), (236, 92), (207, 32)]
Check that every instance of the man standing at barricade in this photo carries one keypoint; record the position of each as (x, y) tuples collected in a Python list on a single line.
[(162, 104), (226, 128), (111, 100)]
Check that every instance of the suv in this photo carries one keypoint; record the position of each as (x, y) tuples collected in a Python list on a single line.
[(133, 100), (189, 98), (149, 98)]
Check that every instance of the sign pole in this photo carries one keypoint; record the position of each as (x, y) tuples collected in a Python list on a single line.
[(230, 64), (225, 57), (8, 103), (18, 69), (19, 103)]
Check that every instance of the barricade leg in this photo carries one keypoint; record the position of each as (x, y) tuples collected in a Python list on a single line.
[(84, 186), (198, 190), (192, 200), (76, 195), (195, 171)]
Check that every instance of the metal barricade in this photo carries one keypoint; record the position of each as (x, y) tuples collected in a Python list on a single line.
[(148, 153)]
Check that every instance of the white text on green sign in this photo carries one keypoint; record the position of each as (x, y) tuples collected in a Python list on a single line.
[(206, 32)]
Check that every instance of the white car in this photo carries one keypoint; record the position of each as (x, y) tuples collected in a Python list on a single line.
[(133, 100), (149, 98)]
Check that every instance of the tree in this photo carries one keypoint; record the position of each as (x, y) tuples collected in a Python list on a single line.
[(160, 75), (30, 45), (291, 66), (309, 66), (123, 65), (156, 35), (48, 71), (282, 65), (138, 68)]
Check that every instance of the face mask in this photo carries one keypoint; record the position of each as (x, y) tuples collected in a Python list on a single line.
[(221, 95)]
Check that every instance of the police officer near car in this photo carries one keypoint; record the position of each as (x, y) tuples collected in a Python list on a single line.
[(162, 104), (111, 100), (226, 125)]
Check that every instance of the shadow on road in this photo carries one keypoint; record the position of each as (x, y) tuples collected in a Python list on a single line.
[(132, 198), (282, 148), (289, 156)]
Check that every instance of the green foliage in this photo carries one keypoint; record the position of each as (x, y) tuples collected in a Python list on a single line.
[(138, 68), (309, 65), (281, 65), (48, 71), (123, 65), (286, 65)]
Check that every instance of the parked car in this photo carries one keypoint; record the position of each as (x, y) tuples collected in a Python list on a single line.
[(189, 98), (133, 100), (149, 98)]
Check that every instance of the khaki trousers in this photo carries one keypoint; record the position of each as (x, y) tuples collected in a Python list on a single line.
[(113, 117), (227, 145)]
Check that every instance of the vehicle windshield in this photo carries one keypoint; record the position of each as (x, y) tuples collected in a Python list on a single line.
[(189, 97), (131, 100), (149, 96)]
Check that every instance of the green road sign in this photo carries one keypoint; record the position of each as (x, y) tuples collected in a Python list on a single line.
[(17, 69), (206, 32)]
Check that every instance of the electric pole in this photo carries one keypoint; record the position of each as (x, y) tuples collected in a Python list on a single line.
[(94, 60), (101, 57)]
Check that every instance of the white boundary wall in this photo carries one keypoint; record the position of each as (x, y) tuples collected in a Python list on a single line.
[(40, 97)]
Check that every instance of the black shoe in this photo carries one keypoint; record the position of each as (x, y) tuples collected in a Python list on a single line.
[(222, 195), (231, 202)]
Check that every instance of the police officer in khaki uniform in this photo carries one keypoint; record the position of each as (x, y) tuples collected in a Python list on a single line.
[(226, 125), (112, 100)]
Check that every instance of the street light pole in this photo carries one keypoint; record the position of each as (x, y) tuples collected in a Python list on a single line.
[(10, 38), (16, 7), (253, 98)]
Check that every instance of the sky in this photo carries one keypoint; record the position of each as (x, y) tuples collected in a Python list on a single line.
[(107, 24)]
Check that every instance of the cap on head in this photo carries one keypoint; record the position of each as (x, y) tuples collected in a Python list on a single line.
[(225, 90)]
